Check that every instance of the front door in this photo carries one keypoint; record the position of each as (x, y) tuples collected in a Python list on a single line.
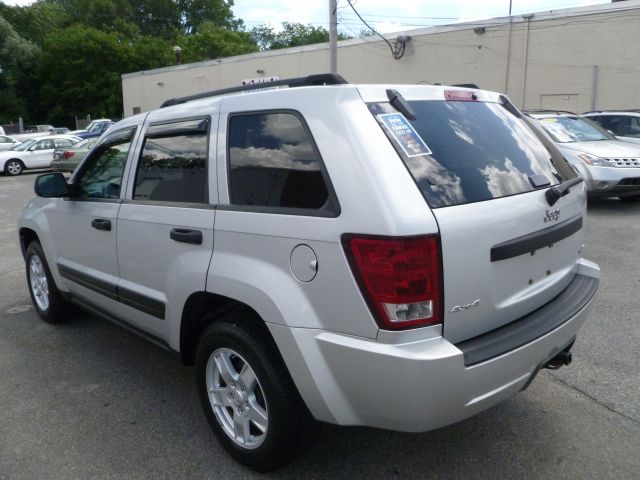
[(84, 227)]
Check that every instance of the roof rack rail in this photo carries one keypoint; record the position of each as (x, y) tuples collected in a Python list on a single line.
[(549, 110), (632, 110), (466, 85), (309, 80)]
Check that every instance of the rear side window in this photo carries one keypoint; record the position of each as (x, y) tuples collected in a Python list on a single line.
[(273, 162), (467, 151), (63, 142), (173, 163)]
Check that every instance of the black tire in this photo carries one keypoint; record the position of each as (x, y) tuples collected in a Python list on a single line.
[(630, 199), (13, 167), (57, 308), (290, 426)]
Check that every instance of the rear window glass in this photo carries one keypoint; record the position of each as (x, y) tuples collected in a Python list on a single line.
[(463, 152)]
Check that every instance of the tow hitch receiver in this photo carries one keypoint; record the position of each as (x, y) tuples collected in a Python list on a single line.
[(563, 358)]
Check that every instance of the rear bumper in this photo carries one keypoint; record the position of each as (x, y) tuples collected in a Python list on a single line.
[(427, 384)]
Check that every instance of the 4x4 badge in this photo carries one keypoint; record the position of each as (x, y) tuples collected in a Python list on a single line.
[(462, 308), (552, 215)]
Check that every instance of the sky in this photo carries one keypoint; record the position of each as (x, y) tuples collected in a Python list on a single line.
[(389, 16), (383, 15)]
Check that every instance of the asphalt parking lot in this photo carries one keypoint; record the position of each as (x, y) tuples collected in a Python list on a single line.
[(87, 399)]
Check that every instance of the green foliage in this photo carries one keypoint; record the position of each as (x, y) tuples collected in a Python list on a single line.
[(16, 58), (62, 58), (211, 41), (36, 21), (291, 35), (196, 12), (80, 71)]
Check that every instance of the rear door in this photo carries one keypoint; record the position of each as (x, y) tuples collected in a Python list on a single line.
[(165, 224), (505, 250)]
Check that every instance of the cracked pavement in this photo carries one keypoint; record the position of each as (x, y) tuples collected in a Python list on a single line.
[(88, 399)]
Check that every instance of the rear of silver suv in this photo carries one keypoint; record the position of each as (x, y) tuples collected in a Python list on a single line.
[(404, 259)]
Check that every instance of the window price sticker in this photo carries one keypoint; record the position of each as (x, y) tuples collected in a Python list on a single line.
[(408, 139)]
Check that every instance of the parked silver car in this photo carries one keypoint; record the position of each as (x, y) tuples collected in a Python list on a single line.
[(67, 159), (400, 256), (610, 167)]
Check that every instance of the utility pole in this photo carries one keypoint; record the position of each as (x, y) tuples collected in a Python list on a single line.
[(508, 59), (333, 36)]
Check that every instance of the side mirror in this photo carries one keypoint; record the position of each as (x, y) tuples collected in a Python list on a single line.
[(51, 185)]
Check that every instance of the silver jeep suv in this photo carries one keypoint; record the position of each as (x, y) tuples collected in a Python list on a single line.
[(401, 257)]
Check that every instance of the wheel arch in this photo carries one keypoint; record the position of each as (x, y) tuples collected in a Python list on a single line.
[(24, 167), (201, 310), (27, 236)]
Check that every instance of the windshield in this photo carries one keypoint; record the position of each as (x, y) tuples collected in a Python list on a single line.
[(463, 152), (24, 146), (573, 129)]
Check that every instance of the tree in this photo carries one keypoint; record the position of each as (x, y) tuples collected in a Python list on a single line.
[(157, 18), (80, 71), (211, 41), (67, 56), (196, 12), (17, 57), (291, 35), (37, 20)]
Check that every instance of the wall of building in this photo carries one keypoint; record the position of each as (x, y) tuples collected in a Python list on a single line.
[(574, 59)]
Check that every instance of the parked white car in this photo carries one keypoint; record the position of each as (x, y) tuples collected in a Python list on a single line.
[(33, 153), (610, 167), (7, 143), (624, 124)]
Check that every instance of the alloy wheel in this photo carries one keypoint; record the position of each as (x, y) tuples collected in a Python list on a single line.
[(237, 399)]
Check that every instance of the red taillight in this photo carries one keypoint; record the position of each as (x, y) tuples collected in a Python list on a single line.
[(401, 278), (68, 154)]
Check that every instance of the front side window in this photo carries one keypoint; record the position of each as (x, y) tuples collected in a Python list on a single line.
[(609, 122), (173, 163), (273, 162), (631, 127), (63, 142), (101, 175), (573, 129)]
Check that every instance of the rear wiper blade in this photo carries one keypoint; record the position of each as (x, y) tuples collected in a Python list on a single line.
[(558, 191)]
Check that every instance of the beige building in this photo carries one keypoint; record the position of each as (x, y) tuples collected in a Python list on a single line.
[(573, 59)]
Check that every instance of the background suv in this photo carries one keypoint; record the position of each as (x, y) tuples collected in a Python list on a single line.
[(402, 259), (624, 124), (610, 167)]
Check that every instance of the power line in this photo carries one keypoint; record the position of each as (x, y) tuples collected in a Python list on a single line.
[(397, 52)]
